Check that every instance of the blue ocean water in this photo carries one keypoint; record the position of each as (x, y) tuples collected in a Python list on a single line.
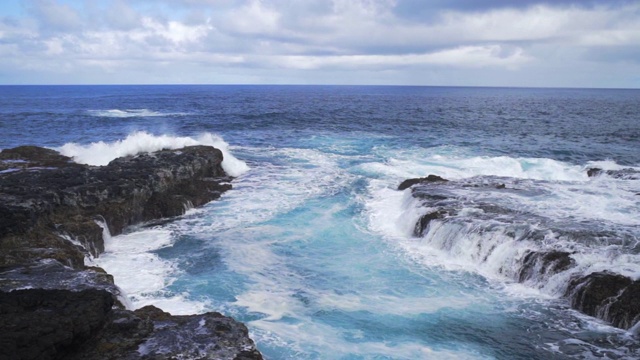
[(313, 248)]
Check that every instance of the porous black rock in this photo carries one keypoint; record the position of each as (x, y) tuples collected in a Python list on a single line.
[(425, 220), (410, 182), (608, 296), (150, 333), (52, 213), (44, 324), (40, 324), (48, 195), (621, 174), (544, 264)]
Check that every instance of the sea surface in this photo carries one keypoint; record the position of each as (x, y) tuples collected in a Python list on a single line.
[(314, 248)]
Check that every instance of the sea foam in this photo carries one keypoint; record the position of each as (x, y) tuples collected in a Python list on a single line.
[(548, 190), (130, 113), (101, 153)]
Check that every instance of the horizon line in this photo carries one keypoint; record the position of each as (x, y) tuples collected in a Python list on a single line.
[(340, 85)]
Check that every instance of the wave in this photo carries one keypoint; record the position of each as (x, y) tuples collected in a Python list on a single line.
[(101, 153), (453, 163), (129, 113)]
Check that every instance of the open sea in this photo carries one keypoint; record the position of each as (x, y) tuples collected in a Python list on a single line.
[(314, 248)]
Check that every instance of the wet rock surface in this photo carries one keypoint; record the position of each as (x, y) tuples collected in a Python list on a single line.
[(429, 179), (52, 211), (622, 174), (475, 222), (607, 296), (150, 333), (49, 324), (49, 193), (538, 264)]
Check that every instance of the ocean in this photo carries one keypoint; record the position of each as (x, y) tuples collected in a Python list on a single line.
[(314, 247)]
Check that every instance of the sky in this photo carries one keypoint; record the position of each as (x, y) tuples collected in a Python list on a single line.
[(521, 43)]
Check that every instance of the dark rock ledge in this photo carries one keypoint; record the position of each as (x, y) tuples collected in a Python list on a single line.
[(52, 306), (605, 295)]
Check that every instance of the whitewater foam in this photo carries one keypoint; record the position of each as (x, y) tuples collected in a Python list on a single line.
[(130, 113), (240, 217), (142, 274), (101, 153), (549, 191)]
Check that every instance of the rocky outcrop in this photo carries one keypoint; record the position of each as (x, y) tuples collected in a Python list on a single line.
[(44, 324), (150, 333), (607, 296), (52, 213), (410, 182), (45, 195), (425, 220), (540, 264), (622, 174), (471, 222)]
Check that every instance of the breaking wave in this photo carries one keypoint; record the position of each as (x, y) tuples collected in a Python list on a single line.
[(101, 153)]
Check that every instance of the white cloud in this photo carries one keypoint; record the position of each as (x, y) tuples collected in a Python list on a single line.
[(254, 18), (313, 37)]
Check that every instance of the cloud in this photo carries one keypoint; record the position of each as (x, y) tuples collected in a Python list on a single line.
[(466, 56), (54, 16), (306, 40)]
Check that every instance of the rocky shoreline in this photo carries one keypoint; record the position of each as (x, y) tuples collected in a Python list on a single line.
[(52, 213), (452, 212)]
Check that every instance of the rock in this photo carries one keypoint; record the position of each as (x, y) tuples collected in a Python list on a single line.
[(542, 265), (622, 174), (150, 333), (44, 324), (33, 156), (608, 296), (50, 208), (51, 274), (423, 222), (39, 204), (410, 182), (591, 172), (49, 324)]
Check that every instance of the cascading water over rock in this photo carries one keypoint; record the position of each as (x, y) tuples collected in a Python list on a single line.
[(469, 220)]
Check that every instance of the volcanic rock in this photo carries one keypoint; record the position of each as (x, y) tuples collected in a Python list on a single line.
[(39, 203), (410, 182), (52, 214), (607, 296), (540, 264)]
